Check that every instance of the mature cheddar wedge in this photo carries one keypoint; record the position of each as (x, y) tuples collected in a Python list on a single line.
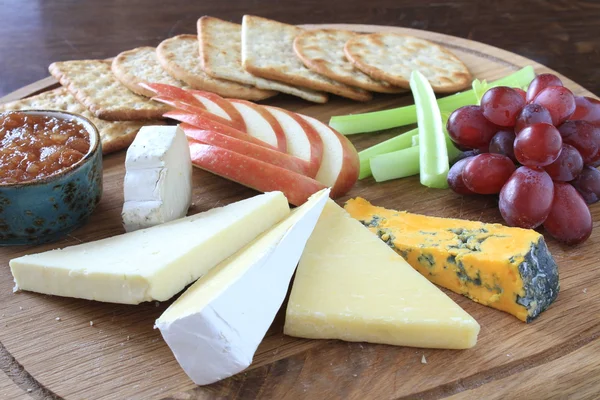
[(349, 285), (150, 264), (506, 268)]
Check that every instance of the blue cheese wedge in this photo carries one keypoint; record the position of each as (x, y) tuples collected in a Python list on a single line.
[(215, 327), (150, 264), (158, 178)]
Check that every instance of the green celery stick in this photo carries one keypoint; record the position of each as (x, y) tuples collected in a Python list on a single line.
[(433, 156), (402, 163), (386, 119), (415, 140), (399, 164), (399, 142)]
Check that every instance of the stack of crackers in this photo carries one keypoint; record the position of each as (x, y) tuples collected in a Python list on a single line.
[(252, 61)]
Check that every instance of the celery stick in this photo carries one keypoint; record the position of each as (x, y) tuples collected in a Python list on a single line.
[(433, 156), (399, 142), (386, 119), (399, 164), (415, 140)]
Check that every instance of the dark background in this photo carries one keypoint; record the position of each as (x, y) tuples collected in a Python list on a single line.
[(564, 35)]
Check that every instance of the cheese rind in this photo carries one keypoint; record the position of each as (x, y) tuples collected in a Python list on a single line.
[(510, 269), (351, 286), (150, 264), (158, 178), (215, 327)]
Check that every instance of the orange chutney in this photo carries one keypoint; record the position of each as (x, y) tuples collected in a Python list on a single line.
[(37, 146)]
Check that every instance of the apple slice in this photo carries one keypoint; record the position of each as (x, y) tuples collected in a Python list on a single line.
[(340, 164), (261, 124), (199, 110), (302, 139), (207, 123), (261, 153), (173, 92), (220, 107), (253, 173)]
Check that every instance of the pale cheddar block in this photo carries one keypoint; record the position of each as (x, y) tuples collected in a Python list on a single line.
[(150, 264), (215, 327), (351, 286), (158, 178)]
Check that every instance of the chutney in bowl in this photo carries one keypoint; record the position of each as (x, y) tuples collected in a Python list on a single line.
[(50, 175)]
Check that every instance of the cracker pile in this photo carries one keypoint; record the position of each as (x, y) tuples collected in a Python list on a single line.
[(252, 61)]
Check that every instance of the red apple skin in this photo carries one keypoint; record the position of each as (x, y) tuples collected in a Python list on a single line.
[(253, 173), (316, 144), (237, 120), (192, 109), (174, 92), (277, 158), (279, 133), (350, 164), (206, 123)]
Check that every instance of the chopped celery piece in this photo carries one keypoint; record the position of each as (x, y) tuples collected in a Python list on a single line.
[(386, 119), (402, 163), (399, 142), (415, 140), (399, 164), (433, 156)]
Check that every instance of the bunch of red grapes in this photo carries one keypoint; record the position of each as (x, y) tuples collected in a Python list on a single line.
[(538, 149)]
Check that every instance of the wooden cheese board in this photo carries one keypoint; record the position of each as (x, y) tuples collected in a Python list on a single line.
[(64, 348)]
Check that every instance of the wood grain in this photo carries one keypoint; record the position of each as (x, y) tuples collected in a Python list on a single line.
[(121, 356), (9, 390)]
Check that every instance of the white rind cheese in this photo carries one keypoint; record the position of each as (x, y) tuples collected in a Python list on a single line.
[(150, 264), (215, 327), (351, 286), (158, 178)]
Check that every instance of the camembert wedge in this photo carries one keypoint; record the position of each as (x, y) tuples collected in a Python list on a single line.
[(150, 264), (351, 286), (215, 327)]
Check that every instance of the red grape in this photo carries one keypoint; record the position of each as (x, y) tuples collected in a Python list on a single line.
[(587, 109), (559, 101), (541, 82), (468, 128), (567, 166), (526, 198), (501, 105), (455, 177), (585, 137), (486, 173), (588, 184), (463, 155), (521, 92), (532, 114), (570, 220), (503, 143), (538, 145)]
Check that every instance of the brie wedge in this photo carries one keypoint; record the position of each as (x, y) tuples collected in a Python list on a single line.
[(351, 286), (215, 327), (150, 264), (158, 177)]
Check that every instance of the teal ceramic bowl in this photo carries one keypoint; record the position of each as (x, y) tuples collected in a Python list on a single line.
[(47, 209)]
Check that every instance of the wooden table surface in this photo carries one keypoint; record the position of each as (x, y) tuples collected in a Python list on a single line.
[(561, 34)]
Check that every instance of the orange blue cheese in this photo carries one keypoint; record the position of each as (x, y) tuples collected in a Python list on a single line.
[(510, 269)]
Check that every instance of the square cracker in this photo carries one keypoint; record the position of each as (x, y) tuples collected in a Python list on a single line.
[(114, 135), (268, 52), (220, 54), (94, 85)]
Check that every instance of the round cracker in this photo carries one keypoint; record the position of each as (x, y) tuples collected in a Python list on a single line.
[(139, 65), (179, 56), (392, 57), (322, 51)]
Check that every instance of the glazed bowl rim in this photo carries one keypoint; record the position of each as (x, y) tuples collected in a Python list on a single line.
[(92, 131)]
